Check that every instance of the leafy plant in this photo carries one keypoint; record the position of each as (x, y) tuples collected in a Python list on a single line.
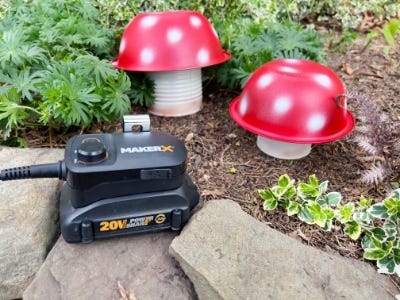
[(142, 89), (346, 13), (347, 37), (389, 30), (309, 201), (55, 66), (378, 136), (253, 44), (4, 6), (376, 224), (79, 91)]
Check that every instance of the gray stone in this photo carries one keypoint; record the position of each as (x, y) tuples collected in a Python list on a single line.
[(138, 267), (28, 214), (227, 254)]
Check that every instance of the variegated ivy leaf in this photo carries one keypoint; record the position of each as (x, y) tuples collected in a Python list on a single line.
[(307, 192), (333, 198), (284, 181), (390, 228), (353, 230), (266, 194), (396, 255), (379, 234), (371, 241), (323, 187), (366, 242), (313, 180), (365, 202), (393, 206), (329, 213), (386, 265), (270, 204), (345, 212), (270, 200), (293, 208), (310, 190), (361, 215), (305, 216), (278, 191), (319, 216), (291, 191), (374, 253), (388, 246), (378, 211)]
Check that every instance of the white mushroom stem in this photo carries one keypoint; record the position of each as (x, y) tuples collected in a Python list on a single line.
[(177, 93), (282, 150)]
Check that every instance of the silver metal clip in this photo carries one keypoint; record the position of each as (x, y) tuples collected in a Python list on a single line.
[(133, 121)]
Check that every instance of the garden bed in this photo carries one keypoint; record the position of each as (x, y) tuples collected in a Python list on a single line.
[(224, 161)]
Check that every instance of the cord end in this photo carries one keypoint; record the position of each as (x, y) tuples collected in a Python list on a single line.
[(36, 171)]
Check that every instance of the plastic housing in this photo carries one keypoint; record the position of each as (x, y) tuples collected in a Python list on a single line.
[(293, 100), (168, 41), (137, 162)]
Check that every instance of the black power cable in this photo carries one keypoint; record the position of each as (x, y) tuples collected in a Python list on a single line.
[(53, 170)]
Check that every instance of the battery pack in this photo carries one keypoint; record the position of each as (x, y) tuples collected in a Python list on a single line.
[(127, 215)]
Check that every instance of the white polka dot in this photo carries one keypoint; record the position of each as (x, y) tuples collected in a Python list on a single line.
[(195, 21), (148, 21), (264, 81), (122, 45), (243, 104), (323, 80), (282, 105), (316, 122), (203, 56), (174, 35), (147, 55)]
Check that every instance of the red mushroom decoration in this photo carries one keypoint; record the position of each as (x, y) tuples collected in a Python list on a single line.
[(172, 46), (291, 104)]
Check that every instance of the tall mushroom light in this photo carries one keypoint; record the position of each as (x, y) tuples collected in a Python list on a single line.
[(172, 46), (291, 104)]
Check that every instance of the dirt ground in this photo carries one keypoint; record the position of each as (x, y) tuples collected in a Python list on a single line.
[(216, 144)]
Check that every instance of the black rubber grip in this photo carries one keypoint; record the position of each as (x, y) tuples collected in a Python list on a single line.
[(56, 170)]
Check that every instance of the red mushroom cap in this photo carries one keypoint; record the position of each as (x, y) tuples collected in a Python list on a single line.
[(168, 41), (293, 100)]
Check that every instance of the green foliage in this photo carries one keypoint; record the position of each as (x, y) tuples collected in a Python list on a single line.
[(309, 200), (142, 89), (4, 7), (254, 44), (55, 66), (77, 92), (348, 13), (376, 224), (347, 38), (390, 30)]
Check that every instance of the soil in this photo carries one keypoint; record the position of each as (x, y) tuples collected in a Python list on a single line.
[(217, 147)]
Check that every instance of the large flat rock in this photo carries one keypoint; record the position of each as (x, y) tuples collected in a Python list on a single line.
[(136, 267), (227, 254), (28, 214)]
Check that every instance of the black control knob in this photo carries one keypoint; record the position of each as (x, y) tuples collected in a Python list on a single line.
[(91, 150)]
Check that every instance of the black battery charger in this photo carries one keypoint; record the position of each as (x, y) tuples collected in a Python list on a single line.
[(119, 184)]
